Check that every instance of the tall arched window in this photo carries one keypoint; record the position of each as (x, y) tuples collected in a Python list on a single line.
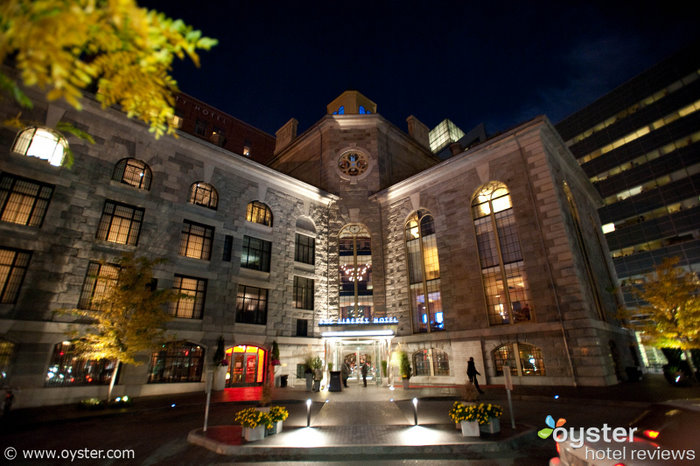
[(355, 272), (502, 268), (69, 368), (522, 358), (179, 361), (43, 143), (204, 194), (424, 272), (431, 362), (258, 212), (134, 173)]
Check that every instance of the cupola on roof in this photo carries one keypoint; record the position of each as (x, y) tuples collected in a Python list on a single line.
[(351, 103)]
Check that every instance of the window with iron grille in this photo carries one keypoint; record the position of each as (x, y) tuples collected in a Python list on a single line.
[(195, 240), (120, 223), (13, 267), (257, 212), (256, 254), (23, 201), (205, 195), (190, 303), (177, 362), (305, 249), (134, 173), (68, 368), (251, 305), (303, 293), (99, 280)]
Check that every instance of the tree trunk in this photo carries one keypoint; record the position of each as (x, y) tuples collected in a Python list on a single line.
[(112, 381), (693, 370)]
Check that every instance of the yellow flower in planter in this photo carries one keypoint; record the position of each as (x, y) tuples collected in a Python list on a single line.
[(252, 418), (278, 413), (486, 412), (461, 412)]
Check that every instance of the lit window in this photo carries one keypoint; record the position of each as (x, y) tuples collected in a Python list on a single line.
[(431, 362), (177, 362), (134, 173), (120, 223), (303, 293), (195, 240), (205, 195), (424, 272), (608, 228), (43, 143), (7, 351), (68, 368), (529, 360), (362, 110), (13, 267), (257, 212), (177, 121), (190, 303), (256, 254), (99, 280), (304, 249), (355, 272), (23, 201), (251, 305), (502, 267), (246, 151)]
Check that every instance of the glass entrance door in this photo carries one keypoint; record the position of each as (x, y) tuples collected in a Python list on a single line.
[(246, 366)]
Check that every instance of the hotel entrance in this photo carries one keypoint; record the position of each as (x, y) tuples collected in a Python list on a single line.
[(246, 366)]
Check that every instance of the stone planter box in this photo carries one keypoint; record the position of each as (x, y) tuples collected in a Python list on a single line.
[(254, 434), (492, 427), (275, 429), (470, 428)]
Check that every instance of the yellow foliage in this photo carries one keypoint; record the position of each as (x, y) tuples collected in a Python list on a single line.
[(125, 52)]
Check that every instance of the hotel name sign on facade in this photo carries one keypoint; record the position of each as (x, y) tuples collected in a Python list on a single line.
[(359, 321)]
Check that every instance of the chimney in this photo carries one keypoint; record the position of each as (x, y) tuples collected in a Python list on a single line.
[(418, 131)]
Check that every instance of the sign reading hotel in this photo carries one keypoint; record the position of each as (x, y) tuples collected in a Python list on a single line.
[(359, 321)]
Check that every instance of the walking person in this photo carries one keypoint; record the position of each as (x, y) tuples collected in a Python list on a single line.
[(364, 372), (472, 373), (345, 373)]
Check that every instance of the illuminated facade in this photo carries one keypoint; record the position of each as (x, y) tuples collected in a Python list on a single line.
[(640, 147), (354, 242)]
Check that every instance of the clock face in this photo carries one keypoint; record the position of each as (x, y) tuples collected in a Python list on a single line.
[(352, 163), (354, 229)]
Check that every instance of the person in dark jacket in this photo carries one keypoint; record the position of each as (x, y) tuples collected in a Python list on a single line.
[(472, 373), (363, 370), (345, 373)]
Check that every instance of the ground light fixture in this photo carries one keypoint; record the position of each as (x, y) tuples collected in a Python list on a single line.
[(308, 412), (415, 411)]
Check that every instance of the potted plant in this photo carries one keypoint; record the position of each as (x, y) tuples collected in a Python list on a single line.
[(220, 365), (488, 415), (254, 423), (466, 417), (308, 373), (277, 415), (317, 368), (405, 368)]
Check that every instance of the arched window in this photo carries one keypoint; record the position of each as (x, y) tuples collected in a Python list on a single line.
[(205, 195), (43, 143), (258, 212), (355, 272), (432, 362), (529, 360), (502, 268), (179, 361), (7, 351), (424, 272), (134, 173), (68, 368)]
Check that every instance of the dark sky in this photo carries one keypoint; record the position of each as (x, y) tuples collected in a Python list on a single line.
[(500, 63)]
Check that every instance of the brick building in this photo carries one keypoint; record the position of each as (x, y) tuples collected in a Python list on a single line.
[(353, 242)]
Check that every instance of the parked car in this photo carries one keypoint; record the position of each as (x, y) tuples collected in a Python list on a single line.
[(666, 433)]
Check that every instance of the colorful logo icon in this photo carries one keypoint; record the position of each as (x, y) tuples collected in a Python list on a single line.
[(547, 431)]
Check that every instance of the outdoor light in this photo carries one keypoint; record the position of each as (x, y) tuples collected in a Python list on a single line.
[(415, 411), (556, 397), (172, 405), (308, 412), (391, 388)]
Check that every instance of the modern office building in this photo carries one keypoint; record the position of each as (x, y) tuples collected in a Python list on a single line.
[(353, 243), (640, 147)]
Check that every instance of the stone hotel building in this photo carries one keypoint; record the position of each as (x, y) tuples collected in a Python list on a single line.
[(350, 241)]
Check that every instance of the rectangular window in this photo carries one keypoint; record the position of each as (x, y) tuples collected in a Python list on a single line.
[(256, 254), (99, 279), (251, 305), (190, 304), (120, 223), (195, 240), (228, 248), (200, 127), (23, 201), (13, 266), (305, 249), (302, 327), (303, 293)]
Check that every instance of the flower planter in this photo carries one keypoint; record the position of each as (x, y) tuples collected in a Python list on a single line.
[(275, 429), (491, 427), (470, 428), (255, 433), (405, 383), (220, 378)]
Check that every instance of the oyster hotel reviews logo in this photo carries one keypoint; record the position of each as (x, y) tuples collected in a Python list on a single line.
[(617, 439)]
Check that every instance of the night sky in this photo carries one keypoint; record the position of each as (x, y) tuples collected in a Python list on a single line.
[(500, 63)]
